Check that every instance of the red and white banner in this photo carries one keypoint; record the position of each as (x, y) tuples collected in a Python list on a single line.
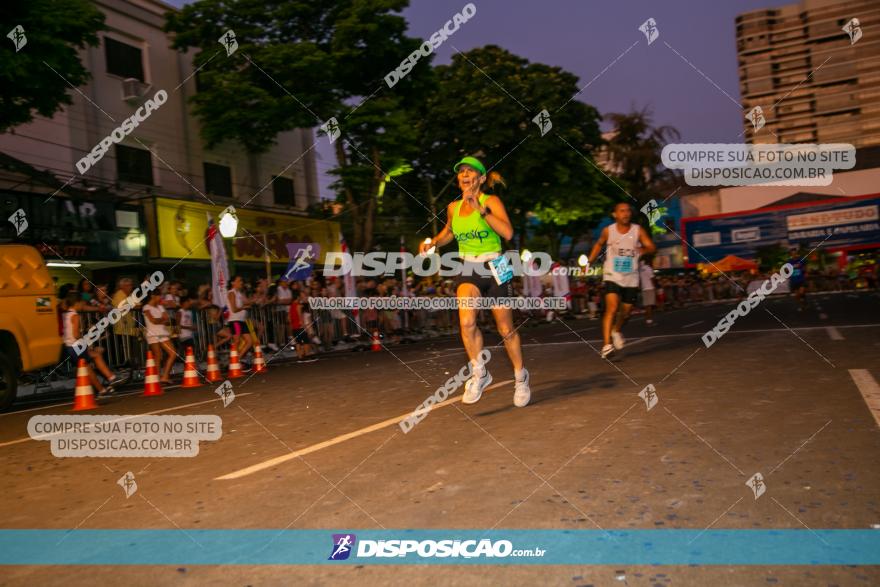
[(219, 268)]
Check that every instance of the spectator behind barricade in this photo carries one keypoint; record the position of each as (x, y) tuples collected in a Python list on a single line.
[(283, 294), (157, 333), (203, 297), (71, 333), (125, 327), (171, 299), (102, 301), (186, 322)]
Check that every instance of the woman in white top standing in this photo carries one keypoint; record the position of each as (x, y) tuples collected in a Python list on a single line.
[(237, 321), (625, 242), (156, 322)]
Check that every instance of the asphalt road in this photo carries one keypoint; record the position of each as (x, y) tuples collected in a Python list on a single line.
[(317, 446)]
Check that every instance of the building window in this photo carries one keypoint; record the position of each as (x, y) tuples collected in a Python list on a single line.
[(282, 187), (134, 165), (218, 180), (123, 60)]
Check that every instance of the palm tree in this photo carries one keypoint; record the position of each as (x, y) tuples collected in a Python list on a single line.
[(634, 148)]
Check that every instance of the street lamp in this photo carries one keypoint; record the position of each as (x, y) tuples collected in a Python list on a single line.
[(228, 222)]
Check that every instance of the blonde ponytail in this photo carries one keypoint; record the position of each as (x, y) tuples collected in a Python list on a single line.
[(493, 177)]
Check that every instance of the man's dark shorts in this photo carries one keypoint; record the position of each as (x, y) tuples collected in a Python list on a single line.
[(628, 295)]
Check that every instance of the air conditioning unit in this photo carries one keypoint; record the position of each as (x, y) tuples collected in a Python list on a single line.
[(134, 90)]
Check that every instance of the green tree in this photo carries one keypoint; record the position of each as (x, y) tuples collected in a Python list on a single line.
[(54, 31), (298, 64), (483, 104), (634, 152)]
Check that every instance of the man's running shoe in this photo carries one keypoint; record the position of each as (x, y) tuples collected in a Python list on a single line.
[(473, 388), (607, 350), (618, 340), (272, 347), (522, 393)]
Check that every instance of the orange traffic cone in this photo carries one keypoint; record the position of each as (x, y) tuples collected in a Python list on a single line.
[(259, 362), (213, 374), (151, 378), (190, 375), (377, 344), (83, 398), (234, 365)]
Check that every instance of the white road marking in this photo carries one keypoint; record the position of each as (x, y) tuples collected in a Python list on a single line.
[(834, 333), (130, 416), (869, 389), (693, 323), (338, 439)]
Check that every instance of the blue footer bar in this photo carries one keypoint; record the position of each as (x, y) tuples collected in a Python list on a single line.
[(443, 547)]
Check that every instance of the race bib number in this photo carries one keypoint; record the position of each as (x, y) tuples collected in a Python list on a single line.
[(623, 264), (501, 269)]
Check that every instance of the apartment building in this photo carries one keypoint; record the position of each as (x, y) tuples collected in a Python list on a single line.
[(812, 83)]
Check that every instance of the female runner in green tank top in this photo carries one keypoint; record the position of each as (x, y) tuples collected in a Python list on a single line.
[(478, 222)]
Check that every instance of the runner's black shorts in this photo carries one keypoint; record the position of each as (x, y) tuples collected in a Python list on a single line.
[(237, 327), (629, 295), (489, 288)]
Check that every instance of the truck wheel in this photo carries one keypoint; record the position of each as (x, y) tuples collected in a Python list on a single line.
[(8, 382)]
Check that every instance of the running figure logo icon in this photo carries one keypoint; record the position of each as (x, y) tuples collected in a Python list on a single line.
[(225, 392), (16, 35), (854, 29), (757, 484), (19, 221), (650, 30), (128, 484), (756, 116), (343, 544), (649, 394), (331, 129), (229, 42), (542, 119)]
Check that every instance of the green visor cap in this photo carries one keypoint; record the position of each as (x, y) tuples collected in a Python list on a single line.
[(473, 162)]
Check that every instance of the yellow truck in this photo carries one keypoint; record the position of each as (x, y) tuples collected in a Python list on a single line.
[(29, 338)]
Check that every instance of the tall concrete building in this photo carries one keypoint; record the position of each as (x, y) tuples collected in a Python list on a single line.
[(812, 83)]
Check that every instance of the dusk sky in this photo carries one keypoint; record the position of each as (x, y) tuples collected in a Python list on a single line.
[(586, 37)]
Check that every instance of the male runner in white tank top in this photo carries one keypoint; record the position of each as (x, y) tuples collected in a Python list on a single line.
[(625, 243)]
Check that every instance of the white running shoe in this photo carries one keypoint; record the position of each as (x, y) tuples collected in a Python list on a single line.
[(473, 388), (522, 393), (618, 340), (607, 350)]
